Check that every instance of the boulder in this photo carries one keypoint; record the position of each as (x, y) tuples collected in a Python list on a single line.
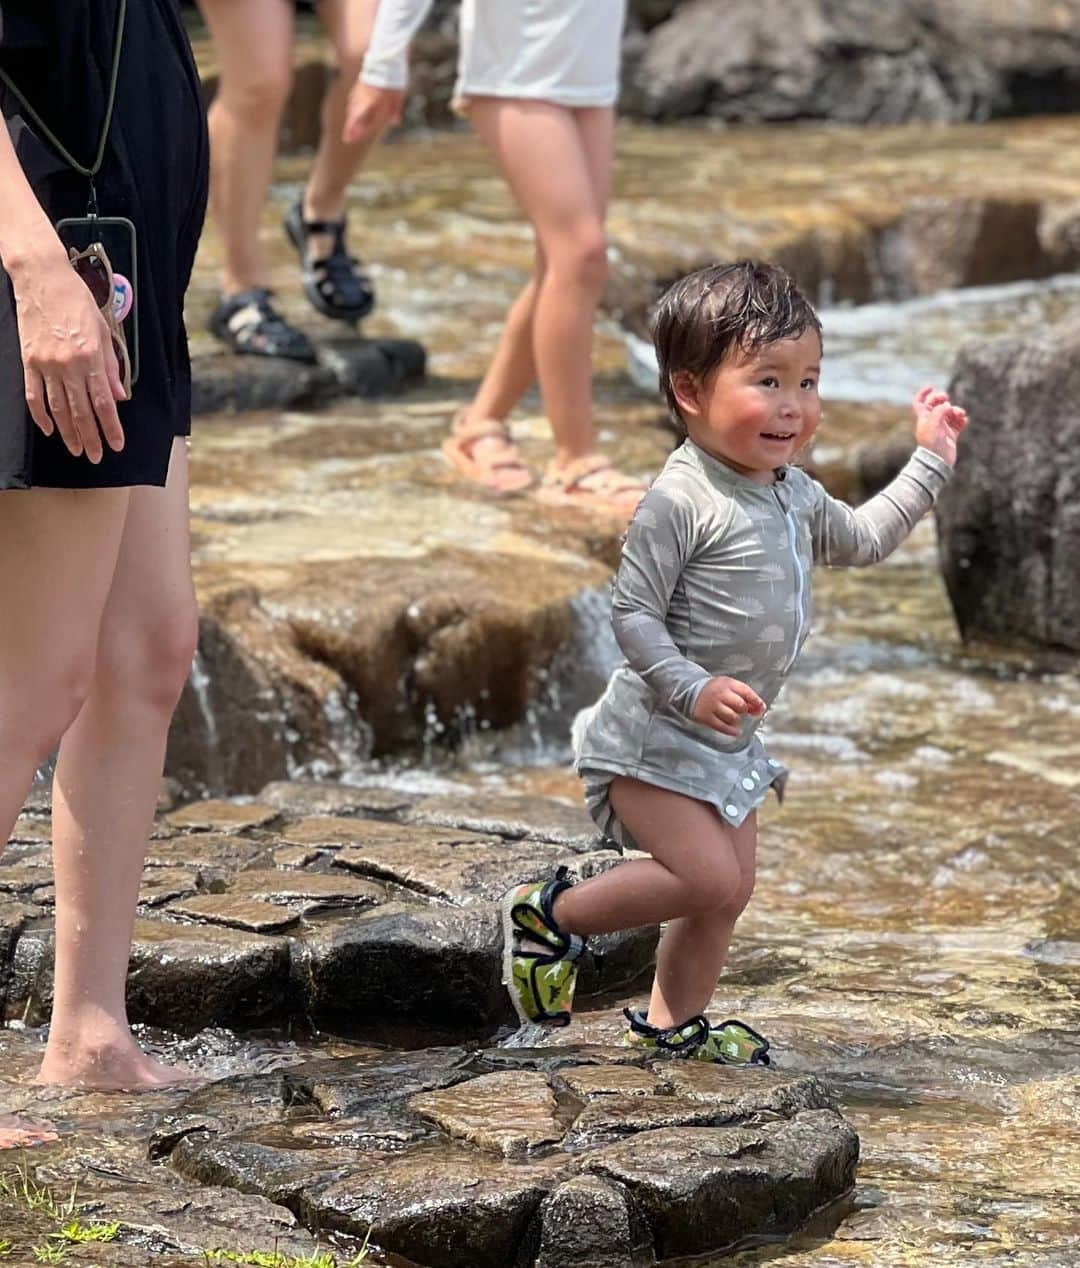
[(859, 61), (1009, 521)]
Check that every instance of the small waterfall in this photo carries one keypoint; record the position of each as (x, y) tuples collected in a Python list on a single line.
[(201, 688)]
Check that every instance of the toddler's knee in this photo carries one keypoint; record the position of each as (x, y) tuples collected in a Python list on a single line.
[(715, 889), (259, 98), (151, 661)]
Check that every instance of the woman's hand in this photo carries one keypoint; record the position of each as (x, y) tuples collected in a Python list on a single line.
[(70, 369), (938, 423), (371, 111), (722, 702)]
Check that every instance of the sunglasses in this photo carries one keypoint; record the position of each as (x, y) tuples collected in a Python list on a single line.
[(93, 266)]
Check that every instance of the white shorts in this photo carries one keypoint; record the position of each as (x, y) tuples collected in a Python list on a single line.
[(563, 51)]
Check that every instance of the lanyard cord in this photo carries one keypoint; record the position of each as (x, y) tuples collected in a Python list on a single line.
[(92, 171)]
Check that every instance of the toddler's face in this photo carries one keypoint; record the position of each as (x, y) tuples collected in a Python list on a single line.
[(756, 411)]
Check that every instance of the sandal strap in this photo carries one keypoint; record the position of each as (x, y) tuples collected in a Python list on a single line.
[(582, 475), (252, 320), (465, 428), (336, 227)]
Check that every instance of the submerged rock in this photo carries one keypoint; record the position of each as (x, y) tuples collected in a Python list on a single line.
[(450, 1198), (1008, 522)]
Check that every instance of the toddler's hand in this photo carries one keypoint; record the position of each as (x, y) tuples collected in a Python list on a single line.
[(938, 423), (722, 702)]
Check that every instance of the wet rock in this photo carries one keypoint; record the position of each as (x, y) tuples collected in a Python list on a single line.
[(208, 851), (587, 1082), (706, 1187), (608, 1117), (308, 892), (856, 61), (254, 704), (23, 878), (222, 1108), (588, 1222), (333, 659), (349, 1086), (347, 367), (461, 872), (161, 885), (438, 1206), (221, 816), (14, 916), (235, 912), (523, 1118), (745, 1094), (539, 818), (945, 241), (1009, 545), (402, 963), (311, 797)]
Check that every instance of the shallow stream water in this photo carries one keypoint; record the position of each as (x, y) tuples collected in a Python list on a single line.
[(914, 935)]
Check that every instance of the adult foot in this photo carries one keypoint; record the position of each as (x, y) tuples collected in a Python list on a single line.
[(249, 324), (482, 451), (594, 484), (333, 280), (19, 1133), (111, 1066)]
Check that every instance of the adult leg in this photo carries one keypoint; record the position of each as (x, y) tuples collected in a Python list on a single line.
[(540, 151), (58, 551), (513, 367), (108, 777), (253, 40), (348, 24)]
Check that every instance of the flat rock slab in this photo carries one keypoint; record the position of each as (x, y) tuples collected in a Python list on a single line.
[(502, 1174), (539, 818), (525, 1119), (234, 911), (263, 914), (223, 816)]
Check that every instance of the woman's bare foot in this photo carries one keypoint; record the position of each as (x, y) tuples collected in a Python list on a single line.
[(114, 1064), (18, 1133)]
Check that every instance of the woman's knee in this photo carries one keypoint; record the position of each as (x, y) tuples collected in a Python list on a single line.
[(151, 659), (258, 97), (35, 713), (582, 257)]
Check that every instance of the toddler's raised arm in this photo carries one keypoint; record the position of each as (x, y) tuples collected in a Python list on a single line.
[(844, 536), (660, 540)]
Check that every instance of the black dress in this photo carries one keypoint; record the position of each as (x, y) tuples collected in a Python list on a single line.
[(59, 53)]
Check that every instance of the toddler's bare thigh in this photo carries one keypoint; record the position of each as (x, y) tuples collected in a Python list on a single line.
[(686, 835)]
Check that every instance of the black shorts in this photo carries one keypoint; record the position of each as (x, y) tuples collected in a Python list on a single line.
[(156, 174)]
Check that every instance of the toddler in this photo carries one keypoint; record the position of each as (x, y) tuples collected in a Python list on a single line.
[(711, 608)]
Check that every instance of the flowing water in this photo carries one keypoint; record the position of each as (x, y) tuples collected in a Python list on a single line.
[(913, 938)]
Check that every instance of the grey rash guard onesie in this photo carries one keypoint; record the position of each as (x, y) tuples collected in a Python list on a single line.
[(715, 580)]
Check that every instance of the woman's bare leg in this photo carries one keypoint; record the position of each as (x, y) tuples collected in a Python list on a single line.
[(560, 182), (108, 777), (348, 24), (58, 556), (253, 40)]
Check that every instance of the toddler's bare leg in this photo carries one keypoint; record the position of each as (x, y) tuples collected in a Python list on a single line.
[(694, 949), (694, 869)]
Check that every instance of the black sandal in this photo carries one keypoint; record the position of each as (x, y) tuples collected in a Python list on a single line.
[(335, 285), (250, 325)]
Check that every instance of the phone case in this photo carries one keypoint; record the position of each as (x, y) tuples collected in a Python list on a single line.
[(117, 235)]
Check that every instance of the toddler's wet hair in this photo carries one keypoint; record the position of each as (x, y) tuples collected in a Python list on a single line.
[(720, 309)]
